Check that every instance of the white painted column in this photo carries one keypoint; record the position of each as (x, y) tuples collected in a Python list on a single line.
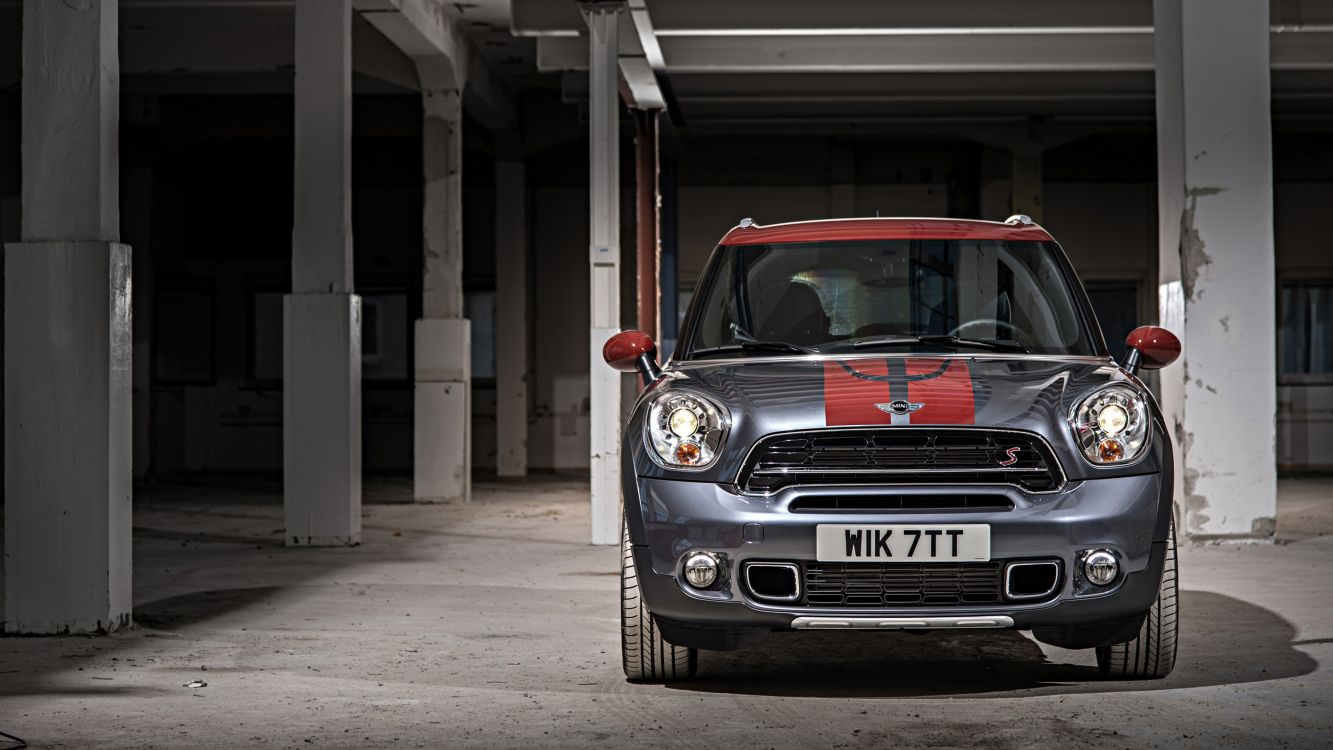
[(511, 319), (604, 265), (1216, 260), (322, 316), (442, 402), (68, 337)]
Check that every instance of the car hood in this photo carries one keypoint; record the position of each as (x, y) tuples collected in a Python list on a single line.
[(767, 395)]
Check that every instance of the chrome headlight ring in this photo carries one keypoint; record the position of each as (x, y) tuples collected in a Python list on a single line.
[(685, 429), (1112, 425)]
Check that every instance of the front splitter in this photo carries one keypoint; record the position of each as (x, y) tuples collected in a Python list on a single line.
[(900, 623)]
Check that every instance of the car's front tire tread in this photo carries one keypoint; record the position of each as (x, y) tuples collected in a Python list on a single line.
[(647, 657), (1152, 653)]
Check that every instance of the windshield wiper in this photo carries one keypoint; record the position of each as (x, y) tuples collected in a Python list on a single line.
[(993, 345), (753, 346)]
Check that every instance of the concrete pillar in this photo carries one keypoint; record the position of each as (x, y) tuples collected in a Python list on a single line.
[(648, 204), (442, 402), (1216, 261), (67, 336), (511, 318), (604, 268), (667, 260), (1026, 183), (322, 316)]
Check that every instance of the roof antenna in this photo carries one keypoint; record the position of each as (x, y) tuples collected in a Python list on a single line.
[(877, 213)]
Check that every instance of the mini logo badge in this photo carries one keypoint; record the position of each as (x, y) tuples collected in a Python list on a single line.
[(1012, 453), (899, 407)]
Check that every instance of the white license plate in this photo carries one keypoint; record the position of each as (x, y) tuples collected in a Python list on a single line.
[(902, 542)]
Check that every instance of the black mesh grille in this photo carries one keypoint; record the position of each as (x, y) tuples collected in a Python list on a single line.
[(901, 455), (901, 584)]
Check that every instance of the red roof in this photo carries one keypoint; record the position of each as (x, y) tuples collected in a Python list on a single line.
[(884, 229)]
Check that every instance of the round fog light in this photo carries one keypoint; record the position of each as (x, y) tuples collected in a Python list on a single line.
[(701, 570), (1101, 568)]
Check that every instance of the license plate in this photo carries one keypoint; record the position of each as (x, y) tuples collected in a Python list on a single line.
[(902, 543)]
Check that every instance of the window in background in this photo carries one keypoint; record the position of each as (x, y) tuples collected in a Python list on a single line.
[(384, 336), (183, 332), (479, 307), (1116, 304), (266, 337), (1305, 338)]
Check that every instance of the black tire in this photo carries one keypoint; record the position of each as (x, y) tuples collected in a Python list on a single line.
[(646, 656), (1152, 653)]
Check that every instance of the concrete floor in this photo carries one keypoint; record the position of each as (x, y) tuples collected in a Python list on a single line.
[(493, 624)]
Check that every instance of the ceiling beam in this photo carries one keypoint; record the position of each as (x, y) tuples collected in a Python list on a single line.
[(942, 51), (640, 59), (558, 17), (444, 57)]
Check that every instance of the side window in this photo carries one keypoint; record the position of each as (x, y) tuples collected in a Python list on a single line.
[(1305, 338), (714, 322)]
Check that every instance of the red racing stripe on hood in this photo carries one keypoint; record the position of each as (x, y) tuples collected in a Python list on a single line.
[(944, 388), (849, 399)]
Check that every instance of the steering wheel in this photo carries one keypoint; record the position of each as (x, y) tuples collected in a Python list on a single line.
[(1017, 333)]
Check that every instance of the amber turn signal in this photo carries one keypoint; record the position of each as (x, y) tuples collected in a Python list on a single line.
[(687, 454), (1110, 450)]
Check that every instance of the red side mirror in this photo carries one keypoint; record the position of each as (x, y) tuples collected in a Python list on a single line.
[(630, 351), (1151, 348)]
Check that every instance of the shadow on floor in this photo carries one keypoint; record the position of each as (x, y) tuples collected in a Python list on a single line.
[(1223, 641), (199, 606)]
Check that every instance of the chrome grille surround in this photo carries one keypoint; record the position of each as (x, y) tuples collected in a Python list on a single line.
[(901, 456)]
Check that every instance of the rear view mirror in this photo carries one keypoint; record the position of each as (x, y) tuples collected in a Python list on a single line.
[(1151, 348), (631, 351)]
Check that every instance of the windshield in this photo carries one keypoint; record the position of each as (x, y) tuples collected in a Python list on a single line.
[(885, 295)]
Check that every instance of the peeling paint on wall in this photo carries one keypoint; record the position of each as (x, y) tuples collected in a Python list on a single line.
[(1192, 255)]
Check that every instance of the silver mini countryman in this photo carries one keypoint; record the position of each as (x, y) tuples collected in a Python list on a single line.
[(895, 424)]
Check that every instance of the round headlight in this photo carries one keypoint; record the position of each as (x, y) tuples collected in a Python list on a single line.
[(1111, 425), (685, 430), (1112, 419), (683, 423)]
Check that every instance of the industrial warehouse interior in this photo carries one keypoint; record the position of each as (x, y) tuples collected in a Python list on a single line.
[(309, 439)]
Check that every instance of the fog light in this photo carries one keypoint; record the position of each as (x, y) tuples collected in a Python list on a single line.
[(1101, 568), (701, 569)]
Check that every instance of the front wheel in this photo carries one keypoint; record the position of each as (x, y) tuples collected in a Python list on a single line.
[(646, 656), (1152, 653)]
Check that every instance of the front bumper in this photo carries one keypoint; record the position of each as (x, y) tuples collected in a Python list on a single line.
[(1127, 514)]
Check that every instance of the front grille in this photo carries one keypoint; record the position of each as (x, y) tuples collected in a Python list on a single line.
[(901, 455), (901, 584)]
